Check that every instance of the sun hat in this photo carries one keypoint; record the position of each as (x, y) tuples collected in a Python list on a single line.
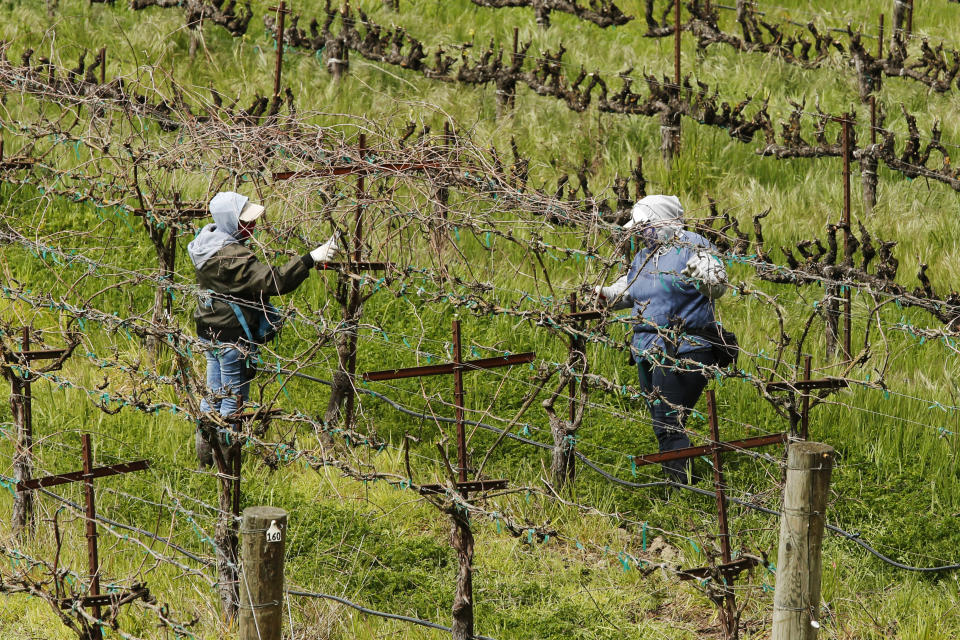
[(230, 203)]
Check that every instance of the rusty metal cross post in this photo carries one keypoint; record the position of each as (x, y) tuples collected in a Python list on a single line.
[(21, 401), (456, 368), (16, 162), (94, 599), (729, 601), (805, 385), (728, 569), (354, 264), (461, 538)]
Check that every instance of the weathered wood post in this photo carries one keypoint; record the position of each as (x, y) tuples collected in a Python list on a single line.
[(261, 579), (796, 602)]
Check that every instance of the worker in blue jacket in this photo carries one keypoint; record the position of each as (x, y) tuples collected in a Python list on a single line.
[(671, 286)]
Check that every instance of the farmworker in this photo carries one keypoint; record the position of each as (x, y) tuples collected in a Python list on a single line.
[(234, 315), (671, 286)]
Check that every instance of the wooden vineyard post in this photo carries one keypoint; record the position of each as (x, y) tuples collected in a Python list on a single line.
[(226, 449), (264, 532), (21, 405), (461, 537), (796, 601), (94, 600)]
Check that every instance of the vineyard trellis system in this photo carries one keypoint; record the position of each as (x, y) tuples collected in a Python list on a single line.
[(667, 99), (116, 192)]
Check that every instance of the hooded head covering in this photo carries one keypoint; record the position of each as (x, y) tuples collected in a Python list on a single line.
[(225, 207), (658, 218), (660, 211)]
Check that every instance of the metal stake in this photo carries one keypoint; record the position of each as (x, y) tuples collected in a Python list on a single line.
[(23, 465), (676, 70), (281, 14), (91, 514), (805, 401), (574, 346), (880, 40), (103, 65), (458, 405), (847, 248)]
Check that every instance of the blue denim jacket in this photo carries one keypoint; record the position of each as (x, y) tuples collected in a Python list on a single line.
[(663, 300)]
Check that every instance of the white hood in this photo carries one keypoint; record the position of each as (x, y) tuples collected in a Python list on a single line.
[(660, 211), (225, 208)]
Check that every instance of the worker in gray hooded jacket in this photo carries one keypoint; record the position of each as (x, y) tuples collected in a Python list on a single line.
[(671, 286), (234, 315)]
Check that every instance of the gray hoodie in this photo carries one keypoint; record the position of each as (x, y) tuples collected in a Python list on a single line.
[(225, 208)]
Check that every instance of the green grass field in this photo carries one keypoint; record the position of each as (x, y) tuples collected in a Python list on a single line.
[(379, 544)]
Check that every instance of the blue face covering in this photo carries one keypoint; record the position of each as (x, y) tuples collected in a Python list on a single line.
[(650, 237)]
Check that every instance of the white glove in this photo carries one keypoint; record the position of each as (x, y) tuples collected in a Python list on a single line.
[(709, 271), (615, 294), (327, 251)]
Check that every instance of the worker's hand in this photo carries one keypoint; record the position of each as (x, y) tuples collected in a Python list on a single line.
[(327, 251), (615, 294), (605, 294), (601, 295), (709, 271)]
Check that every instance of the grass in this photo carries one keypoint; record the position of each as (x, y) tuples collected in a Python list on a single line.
[(896, 474)]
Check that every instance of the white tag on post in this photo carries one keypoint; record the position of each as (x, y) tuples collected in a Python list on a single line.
[(273, 532)]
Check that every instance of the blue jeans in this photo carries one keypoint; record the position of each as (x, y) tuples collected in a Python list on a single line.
[(681, 386), (227, 380)]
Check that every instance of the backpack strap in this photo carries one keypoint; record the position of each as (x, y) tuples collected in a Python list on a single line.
[(243, 320)]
